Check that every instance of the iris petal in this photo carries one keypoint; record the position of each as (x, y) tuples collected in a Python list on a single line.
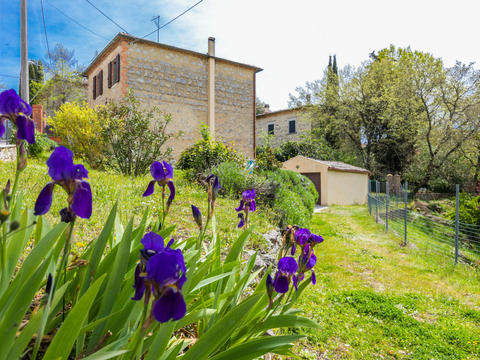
[(79, 172), (240, 207), (168, 173), (156, 169), (287, 265), (153, 241), (44, 200), (281, 284), (139, 284), (253, 206), (82, 199), (2, 126), (25, 129), (242, 221), (314, 278), (164, 267), (170, 305), (60, 164), (150, 188), (171, 186)]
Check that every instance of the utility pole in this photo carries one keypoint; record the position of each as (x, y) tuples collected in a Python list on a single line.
[(156, 20), (24, 91)]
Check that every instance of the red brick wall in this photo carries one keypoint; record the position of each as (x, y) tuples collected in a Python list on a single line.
[(38, 117)]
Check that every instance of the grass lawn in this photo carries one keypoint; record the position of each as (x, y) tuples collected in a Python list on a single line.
[(377, 300), (110, 187)]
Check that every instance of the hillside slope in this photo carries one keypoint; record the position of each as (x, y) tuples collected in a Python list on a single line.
[(377, 300)]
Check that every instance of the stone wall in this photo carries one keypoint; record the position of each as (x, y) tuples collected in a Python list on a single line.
[(234, 106), (7, 153), (280, 120), (176, 82), (118, 90)]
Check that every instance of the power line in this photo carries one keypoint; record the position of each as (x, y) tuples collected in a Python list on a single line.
[(11, 76), (175, 18), (76, 22), (45, 32), (108, 17)]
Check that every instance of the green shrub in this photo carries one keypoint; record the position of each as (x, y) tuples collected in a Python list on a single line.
[(205, 154), (266, 159), (42, 143), (295, 197), (309, 147), (78, 127), (133, 137), (469, 211), (234, 180), (291, 195)]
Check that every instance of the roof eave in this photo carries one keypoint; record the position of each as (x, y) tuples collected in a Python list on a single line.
[(135, 39)]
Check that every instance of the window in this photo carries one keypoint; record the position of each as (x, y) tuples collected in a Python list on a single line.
[(114, 71), (98, 85), (271, 129), (292, 126)]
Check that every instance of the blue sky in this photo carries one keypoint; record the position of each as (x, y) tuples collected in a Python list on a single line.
[(290, 40)]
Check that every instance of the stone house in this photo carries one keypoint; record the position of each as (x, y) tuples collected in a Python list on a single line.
[(193, 87), (282, 126)]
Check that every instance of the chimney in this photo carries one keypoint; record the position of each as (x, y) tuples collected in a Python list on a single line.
[(211, 86), (267, 108), (211, 46)]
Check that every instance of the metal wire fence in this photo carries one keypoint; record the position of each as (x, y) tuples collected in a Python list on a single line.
[(451, 238)]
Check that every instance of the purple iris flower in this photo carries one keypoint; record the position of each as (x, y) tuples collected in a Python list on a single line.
[(301, 236), (162, 174), (315, 239), (69, 176), (161, 272), (248, 201), (287, 266), (12, 107)]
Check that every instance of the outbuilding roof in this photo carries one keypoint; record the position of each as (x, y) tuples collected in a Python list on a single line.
[(338, 165)]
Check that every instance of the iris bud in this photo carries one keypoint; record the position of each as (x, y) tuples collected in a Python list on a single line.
[(14, 225), (197, 216)]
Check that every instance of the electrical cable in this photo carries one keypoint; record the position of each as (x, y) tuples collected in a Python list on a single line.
[(108, 17), (45, 32), (175, 18), (76, 22)]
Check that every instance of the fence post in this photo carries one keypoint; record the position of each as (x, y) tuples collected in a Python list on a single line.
[(405, 200), (387, 195), (457, 221), (369, 190), (376, 200)]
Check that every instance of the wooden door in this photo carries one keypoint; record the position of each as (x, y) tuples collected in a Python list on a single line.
[(316, 180)]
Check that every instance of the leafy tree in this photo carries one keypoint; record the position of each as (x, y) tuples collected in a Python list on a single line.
[(260, 106), (450, 99), (64, 80), (36, 79)]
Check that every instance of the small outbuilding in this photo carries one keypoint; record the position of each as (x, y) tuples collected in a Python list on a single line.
[(337, 183)]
